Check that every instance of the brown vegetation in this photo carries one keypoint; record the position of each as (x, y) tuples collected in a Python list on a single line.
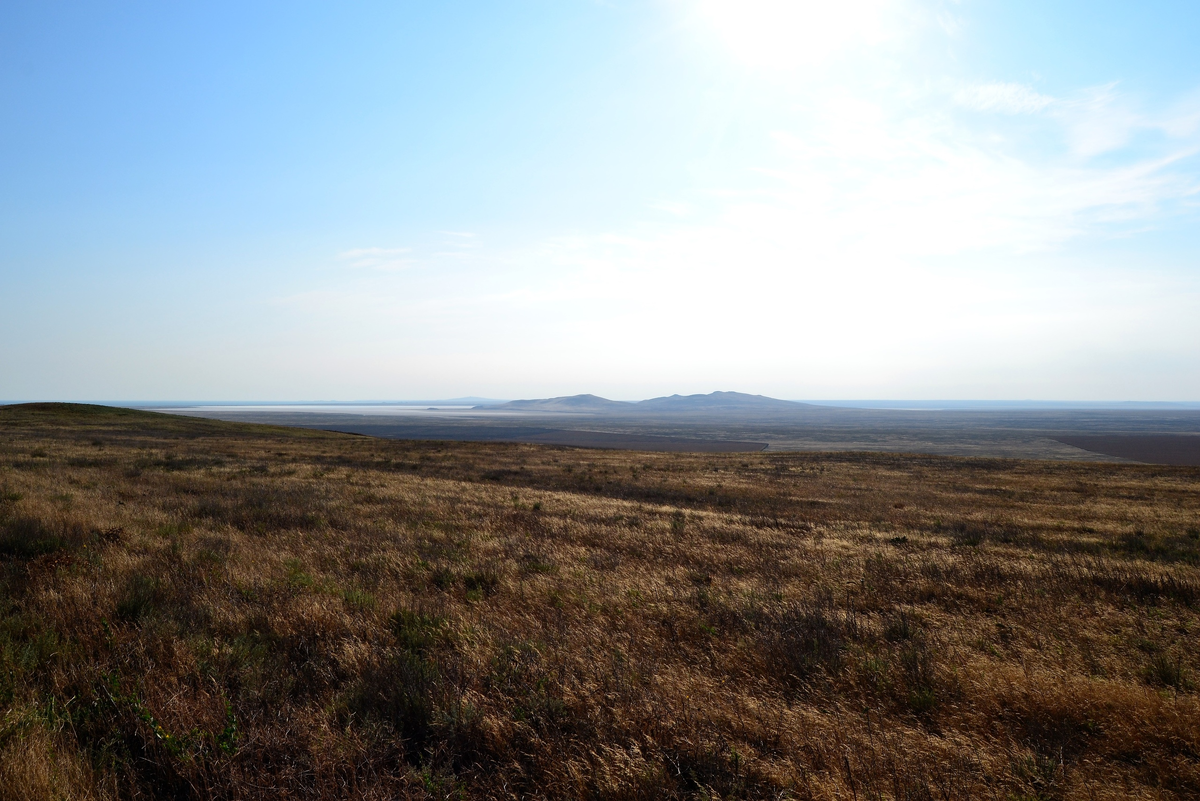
[(203, 609)]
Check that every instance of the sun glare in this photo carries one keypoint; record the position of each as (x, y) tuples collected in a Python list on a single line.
[(781, 34)]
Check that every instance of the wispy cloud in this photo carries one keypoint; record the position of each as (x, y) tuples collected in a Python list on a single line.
[(1101, 120), (381, 259), (875, 212), (927, 183), (1005, 98), (673, 207)]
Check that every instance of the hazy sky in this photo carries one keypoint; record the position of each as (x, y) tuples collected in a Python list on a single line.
[(975, 199)]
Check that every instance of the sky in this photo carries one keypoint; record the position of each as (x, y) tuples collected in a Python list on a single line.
[(985, 199)]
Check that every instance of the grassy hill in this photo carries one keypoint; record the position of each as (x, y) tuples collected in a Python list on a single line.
[(196, 609)]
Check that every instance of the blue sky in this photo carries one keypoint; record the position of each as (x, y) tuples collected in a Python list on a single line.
[(899, 199)]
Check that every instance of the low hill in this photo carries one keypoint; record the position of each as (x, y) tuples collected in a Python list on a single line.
[(569, 403), (671, 404), (718, 401)]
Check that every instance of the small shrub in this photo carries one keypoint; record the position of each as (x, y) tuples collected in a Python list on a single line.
[(296, 575), (141, 595), (1040, 773), (604, 560), (442, 578), (29, 537), (1134, 543), (803, 640), (415, 631), (172, 530), (917, 663), (922, 700), (519, 673), (972, 533), (358, 599), (482, 582), (538, 563), (399, 694), (899, 627), (1147, 588), (1166, 672)]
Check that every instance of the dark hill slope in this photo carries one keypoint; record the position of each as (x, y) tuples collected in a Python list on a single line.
[(590, 404), (94, 422), (718, 401)]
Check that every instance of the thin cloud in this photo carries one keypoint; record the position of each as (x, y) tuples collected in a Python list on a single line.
[(678, 209), (950, 24), (1003, 98), (381, 259), (359, 253), (1100, 120)]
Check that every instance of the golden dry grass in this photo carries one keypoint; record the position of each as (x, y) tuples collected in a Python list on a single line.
[(202, 609)]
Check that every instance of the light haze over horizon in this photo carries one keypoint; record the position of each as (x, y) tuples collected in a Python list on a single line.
[(866, 199)]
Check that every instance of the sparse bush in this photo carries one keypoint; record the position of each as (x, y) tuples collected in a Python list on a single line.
[(1041, 774), (415, 631), (1164, 671), (481, 582), (142, 593), (919, 672), (899, 627), (399, 694), (26, 537), (803, 641)]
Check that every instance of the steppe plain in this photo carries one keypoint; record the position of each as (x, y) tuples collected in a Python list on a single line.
[(731, 421), (204, 609)]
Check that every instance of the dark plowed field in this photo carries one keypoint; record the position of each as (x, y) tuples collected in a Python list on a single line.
[(1177, 449), (552, 436), (643, 442)]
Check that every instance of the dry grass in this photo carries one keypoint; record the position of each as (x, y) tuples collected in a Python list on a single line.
[(201, 609)]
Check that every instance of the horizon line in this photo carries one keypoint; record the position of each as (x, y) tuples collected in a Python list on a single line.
[(480, 400)]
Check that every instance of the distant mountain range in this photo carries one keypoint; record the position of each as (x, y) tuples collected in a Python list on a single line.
[(672, 404)]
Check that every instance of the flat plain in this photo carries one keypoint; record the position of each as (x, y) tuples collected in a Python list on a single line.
[(1065, 434), (203, 609)]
